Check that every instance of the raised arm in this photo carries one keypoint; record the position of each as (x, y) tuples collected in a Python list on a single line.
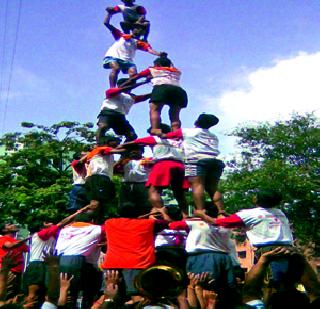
[(124, 87), (12, 245), (115, 32), (141, 97), (254, 280), (66, 220)]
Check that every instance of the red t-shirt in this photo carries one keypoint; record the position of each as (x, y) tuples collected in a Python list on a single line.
[(130, 242), (19, 258)]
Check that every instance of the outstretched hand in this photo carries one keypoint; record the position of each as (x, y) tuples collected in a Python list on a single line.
[(112, 280)]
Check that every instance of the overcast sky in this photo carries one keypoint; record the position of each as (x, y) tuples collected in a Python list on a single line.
[(243, 60)]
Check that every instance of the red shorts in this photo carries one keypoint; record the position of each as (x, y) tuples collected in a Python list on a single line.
[(168, 172)]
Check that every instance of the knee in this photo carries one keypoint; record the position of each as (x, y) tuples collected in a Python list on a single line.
[(132, 71)]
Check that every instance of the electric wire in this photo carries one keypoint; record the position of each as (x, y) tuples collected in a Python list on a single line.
[(11, 65)]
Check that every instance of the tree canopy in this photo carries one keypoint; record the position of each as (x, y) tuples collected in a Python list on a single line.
[(34, 173)]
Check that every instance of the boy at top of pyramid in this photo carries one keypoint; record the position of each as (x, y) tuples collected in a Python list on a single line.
[(115, 106), (132, 14), (122, 52)]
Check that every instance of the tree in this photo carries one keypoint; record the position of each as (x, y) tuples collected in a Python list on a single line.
[(35, 179), (284, 156)]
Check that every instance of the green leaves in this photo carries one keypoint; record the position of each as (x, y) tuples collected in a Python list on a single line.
[(34, 174)]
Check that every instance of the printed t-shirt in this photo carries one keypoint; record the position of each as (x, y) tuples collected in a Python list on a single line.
[(197, 143), (80, 238), (136, 171), (203, 236), (266, 226), (162, 76), (163, 148), (42, 242)]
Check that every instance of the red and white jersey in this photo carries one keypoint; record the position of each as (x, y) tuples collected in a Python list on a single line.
[(100, 162), (79, 172), (80, 238), (120, 103), (131, 13), (204, 236), (125, 46), (162, 75), (42, 242), (165, 76), (266, 226)]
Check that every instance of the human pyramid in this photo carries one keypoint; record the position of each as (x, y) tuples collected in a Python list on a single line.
[(152, 255), (181, 157)]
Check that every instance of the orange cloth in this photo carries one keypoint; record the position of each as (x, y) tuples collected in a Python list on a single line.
[(130, 243)]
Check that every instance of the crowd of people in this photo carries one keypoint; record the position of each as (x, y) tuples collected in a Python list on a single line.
[(153, 255)]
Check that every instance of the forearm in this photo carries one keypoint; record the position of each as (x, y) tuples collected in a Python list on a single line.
[(310, 281), (106, 21), (153, 52), (192, 297), (63, 296), (13, 245), (254, 280), (3, 284), (53, 283)]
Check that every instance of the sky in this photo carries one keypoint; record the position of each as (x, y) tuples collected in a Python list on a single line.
[(245, 61)]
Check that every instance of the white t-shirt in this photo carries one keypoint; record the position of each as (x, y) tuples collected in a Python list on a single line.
[(101, 165), (165, 76), (174, 238), (124, 49), (167, 149), (204, 236), (39, 246), (80, 239), (266, 226), (134, 171), (120, 103), (78, 179), (199, 144)]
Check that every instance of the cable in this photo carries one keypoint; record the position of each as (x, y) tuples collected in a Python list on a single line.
[(3, 50), (11, 66)]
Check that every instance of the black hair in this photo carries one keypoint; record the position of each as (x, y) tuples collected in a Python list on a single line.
[(163, 61), (268, 198), (84, 217), (164, 128), (129, 210), (206, 121), (35, 226), (104, 140), (174, 212), (76, 156), (2, 227)]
